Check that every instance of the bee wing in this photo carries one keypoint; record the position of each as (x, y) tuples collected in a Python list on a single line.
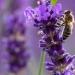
[(71, 27), (74, 22)]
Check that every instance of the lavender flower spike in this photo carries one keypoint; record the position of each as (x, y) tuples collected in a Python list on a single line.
[(17, 52), (48, 20)]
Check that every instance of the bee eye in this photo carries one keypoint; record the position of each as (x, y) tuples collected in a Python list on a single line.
[(67, 12)]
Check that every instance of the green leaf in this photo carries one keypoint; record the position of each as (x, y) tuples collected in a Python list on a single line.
[(53, 2), (41, 63)]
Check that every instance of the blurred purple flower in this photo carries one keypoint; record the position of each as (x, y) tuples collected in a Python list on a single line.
[(16, 49), (15, 5)]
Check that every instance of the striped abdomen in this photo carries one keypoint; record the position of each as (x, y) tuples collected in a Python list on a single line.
[(67, 31)]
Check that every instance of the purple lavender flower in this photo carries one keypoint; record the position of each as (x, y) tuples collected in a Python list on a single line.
[(17, 52), (45, 17), (57, 8)]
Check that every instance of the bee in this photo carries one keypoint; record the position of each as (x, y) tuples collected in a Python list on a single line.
[(68, 21)]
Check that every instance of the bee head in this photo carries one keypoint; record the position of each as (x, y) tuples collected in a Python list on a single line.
[(67, 12), (68, 16)]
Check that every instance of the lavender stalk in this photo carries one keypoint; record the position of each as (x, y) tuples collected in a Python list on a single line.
[(16, 49), (49, 19), (15, 32), (41, 63)]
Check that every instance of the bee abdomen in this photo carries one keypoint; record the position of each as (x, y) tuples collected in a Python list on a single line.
[(67, 30), (66, 35)]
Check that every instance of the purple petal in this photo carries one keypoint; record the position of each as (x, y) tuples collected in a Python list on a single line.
[(36, 25), (68, 72), (48, 64), (69, 60), (55, 53), (56, 8), (62, 52), (42, 44), (38, 18), (37, 12), (42, 8), (41, 41), (49, 67)]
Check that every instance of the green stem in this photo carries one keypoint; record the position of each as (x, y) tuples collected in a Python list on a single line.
[(41, 63), (53, 2)]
